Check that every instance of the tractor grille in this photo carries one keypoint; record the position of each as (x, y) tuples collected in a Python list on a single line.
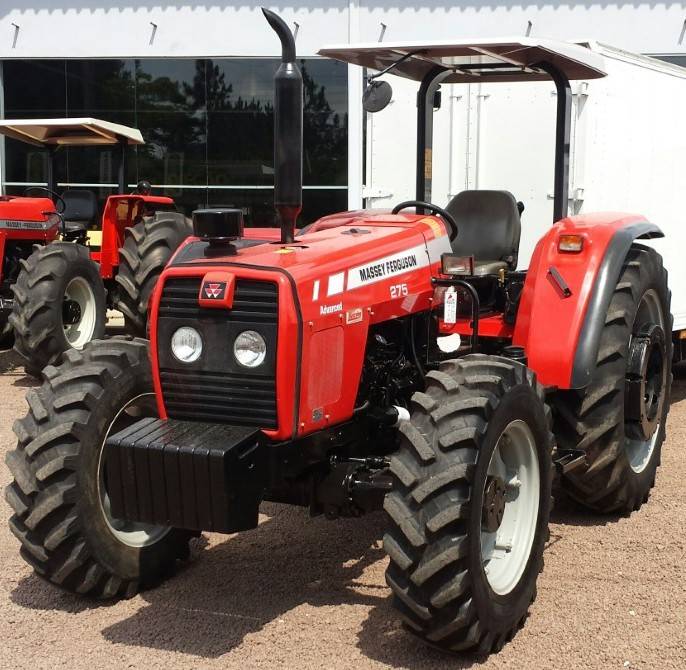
[(254, 301), (216, 388)]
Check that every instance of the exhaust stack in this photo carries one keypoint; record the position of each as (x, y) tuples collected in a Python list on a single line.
[(288, 131)]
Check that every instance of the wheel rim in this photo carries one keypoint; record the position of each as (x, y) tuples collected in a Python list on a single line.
[(639, 451), (131, 533), (79, 312), (510, 511)]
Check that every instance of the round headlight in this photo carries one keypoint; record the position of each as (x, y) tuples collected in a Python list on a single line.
[(186, 344), (250, 349)]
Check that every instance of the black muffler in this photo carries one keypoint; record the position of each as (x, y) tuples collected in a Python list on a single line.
[(288, 131)]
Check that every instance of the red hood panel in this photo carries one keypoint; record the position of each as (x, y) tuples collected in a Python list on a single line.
[(25, 209)]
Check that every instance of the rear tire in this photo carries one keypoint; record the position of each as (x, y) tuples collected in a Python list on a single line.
[(147, 249), (57, 495), (59, 304), (455, 582), (619, 469)]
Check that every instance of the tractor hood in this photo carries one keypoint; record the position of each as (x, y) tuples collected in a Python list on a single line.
[(353, 256), (35, 215), (312, 301)]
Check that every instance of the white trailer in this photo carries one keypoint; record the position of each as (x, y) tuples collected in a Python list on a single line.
[(628, 149)]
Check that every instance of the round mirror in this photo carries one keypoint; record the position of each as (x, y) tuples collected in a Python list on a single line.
[(376, 96)]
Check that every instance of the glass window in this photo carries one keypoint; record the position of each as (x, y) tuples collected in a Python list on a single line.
[(258, 204), (171, 114), (102, 89), (46, 97), (241, 121), (677, 59), (206, 123), (325, 131)]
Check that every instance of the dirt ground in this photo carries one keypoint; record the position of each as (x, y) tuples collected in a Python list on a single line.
[(301, 593)]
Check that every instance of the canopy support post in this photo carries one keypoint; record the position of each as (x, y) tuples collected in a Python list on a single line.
[(425, 124), (123, 146), (51, 177), (562, 139)]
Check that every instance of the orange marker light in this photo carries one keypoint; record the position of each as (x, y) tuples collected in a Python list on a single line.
[(570, 244)]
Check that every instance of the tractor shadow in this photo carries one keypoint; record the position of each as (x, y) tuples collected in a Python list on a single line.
[(12, 366), (679, 383), (9, 361), (32, 592), (253, 579), (567, 512)]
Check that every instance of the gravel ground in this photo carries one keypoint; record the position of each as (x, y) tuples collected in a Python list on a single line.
[(301, 593)]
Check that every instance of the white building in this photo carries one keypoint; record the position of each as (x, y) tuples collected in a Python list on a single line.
[(196, 80)]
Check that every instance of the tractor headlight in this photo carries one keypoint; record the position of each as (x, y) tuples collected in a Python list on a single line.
[(250, 349), (186, 344)]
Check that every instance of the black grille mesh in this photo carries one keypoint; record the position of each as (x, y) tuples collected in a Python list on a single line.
[(253, 302), (245, 399)]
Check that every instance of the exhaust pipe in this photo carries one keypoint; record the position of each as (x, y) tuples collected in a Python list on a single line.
[(288, 131)]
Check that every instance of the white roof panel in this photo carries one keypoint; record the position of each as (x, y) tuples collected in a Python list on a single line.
[(510, 59), (69, 132)]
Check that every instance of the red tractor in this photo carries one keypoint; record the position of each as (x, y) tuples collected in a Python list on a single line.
[(55, 296), (312, 370)]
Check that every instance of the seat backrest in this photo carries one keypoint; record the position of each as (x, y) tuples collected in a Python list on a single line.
[(489, 225), (81, 205)]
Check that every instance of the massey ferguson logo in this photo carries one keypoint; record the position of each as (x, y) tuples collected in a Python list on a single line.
[(215, 290)]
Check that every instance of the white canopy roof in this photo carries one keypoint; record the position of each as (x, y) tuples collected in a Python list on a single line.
[(69, 132), (513, 58)]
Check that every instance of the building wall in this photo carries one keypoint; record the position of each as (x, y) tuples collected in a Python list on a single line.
[(37, 28)]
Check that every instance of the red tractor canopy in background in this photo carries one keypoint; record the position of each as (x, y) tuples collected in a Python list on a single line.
[(63, 265)]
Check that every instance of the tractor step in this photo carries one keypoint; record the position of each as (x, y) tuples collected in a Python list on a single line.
[(186, 474), (568, 460)]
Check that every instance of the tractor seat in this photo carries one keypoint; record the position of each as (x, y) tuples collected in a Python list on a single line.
[(81, 210), (489, 227)]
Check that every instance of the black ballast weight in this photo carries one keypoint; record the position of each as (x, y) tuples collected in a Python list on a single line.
[(186, 474)]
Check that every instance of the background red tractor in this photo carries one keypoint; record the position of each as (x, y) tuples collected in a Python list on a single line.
[(55, 295), (387, 359)]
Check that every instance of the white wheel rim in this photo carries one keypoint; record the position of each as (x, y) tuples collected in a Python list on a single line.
[(80, 332), (505, 553), (639, 452), (131, 533)]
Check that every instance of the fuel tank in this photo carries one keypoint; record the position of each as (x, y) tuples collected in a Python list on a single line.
[(329, 286)]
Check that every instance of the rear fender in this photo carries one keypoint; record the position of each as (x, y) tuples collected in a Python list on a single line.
[(560, 329)]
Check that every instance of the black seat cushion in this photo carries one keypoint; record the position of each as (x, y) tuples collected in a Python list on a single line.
[(489, 226), (81, 209)]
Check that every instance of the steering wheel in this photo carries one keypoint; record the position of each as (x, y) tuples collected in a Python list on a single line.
[(55, 197), (432, 208)]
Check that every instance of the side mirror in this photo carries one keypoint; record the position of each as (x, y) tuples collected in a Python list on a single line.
[(376, 96)]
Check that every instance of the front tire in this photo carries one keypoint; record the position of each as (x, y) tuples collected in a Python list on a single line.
[(59, 304), (621, 436), (463, 480), (60, 505), (147, 249)]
